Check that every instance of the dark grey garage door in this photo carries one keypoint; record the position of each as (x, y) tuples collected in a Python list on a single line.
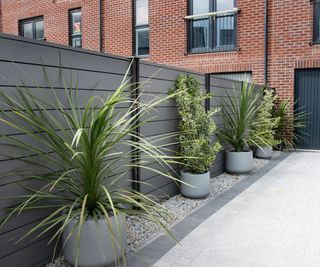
[(307, 95)]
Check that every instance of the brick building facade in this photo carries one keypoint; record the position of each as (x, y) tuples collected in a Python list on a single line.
[(107, 25), (290, 34)]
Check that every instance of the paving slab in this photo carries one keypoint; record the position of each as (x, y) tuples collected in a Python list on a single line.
[(272, 221)]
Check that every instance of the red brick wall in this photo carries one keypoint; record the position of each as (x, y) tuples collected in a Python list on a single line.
[(0, 16), (168, 33), (290, 32), (56, 18), (118, 23)]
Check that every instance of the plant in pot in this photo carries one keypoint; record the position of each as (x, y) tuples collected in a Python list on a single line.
[(81, 156), (290, 120), (264, 127), (197, 128), (239, 112)]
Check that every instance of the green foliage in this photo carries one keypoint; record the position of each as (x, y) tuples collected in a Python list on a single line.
[(82, 157), (196, 127), (289, 120), (264, 126), (239, 113)]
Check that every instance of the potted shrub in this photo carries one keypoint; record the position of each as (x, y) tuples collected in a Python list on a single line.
[(197, 127), (238, 113), (264, 126), (289, 120), (77, 173)]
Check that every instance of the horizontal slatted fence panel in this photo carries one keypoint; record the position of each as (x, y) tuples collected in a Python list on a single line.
[(25, 62), (28, 63), (221, 88)]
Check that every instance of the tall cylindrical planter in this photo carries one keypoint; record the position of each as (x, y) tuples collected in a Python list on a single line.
[(96, 247), (239, 162), (197, 185), (263, 152)]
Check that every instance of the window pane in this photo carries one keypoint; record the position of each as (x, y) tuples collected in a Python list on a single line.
[(39, 29), (28, 30), (200, 33), (143, 41), (142, 12), (76, 22), (225, 31), (77, 42), (317, 22), (200, 6), (223, 5)]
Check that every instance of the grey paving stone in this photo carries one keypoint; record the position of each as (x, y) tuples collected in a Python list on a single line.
[(269, 221)]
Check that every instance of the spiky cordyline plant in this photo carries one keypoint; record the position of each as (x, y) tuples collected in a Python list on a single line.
[(82, 157), (238, 113), (290, 120)]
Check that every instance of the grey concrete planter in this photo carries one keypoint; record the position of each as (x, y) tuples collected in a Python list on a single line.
[(200, 184), (263, 152), (239, 162), (96, 248)]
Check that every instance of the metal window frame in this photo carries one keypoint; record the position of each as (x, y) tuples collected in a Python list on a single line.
[(71, 35), (140, 27), (212, 31), (34, 20), (316, 21)]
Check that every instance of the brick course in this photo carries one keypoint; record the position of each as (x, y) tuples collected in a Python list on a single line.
[(56, 18), (290, 34)]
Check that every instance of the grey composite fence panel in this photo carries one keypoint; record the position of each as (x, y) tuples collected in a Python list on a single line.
[(220, 88), (24, 62)]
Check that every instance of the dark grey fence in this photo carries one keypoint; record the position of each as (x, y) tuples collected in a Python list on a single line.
[(23, 62)]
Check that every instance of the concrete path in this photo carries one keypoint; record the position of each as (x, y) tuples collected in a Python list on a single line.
[(274, 222)]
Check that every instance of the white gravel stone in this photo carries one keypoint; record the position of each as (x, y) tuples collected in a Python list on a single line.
[(141, 231)]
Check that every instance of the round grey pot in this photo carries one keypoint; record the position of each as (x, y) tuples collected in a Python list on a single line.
[(263, 152), (198, 184), (96, 247), (239, 162)]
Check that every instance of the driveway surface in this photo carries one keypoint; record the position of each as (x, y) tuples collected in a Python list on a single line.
[(274, 222)]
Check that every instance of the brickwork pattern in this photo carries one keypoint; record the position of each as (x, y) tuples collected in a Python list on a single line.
[(56, 19), (290, 34)]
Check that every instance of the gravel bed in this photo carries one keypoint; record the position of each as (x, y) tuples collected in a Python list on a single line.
[(141, 231)]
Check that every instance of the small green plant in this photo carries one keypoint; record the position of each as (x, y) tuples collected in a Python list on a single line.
[(264, 126), (197, 126), (290, 120), (239, 113)]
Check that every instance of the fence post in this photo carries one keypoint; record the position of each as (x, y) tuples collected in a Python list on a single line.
[(135, 99), (208, 91)]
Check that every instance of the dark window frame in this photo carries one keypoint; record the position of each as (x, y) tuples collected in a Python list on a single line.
[(138, 28), (34, 20), (71, 35), (212, 40), (316, 22)]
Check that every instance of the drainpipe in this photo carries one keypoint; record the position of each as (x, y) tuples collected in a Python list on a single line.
[(133, 5), (101, 24), (266, 41)]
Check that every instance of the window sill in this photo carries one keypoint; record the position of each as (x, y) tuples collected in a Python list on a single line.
[(214, 51), (314, 43), (143, 56)]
